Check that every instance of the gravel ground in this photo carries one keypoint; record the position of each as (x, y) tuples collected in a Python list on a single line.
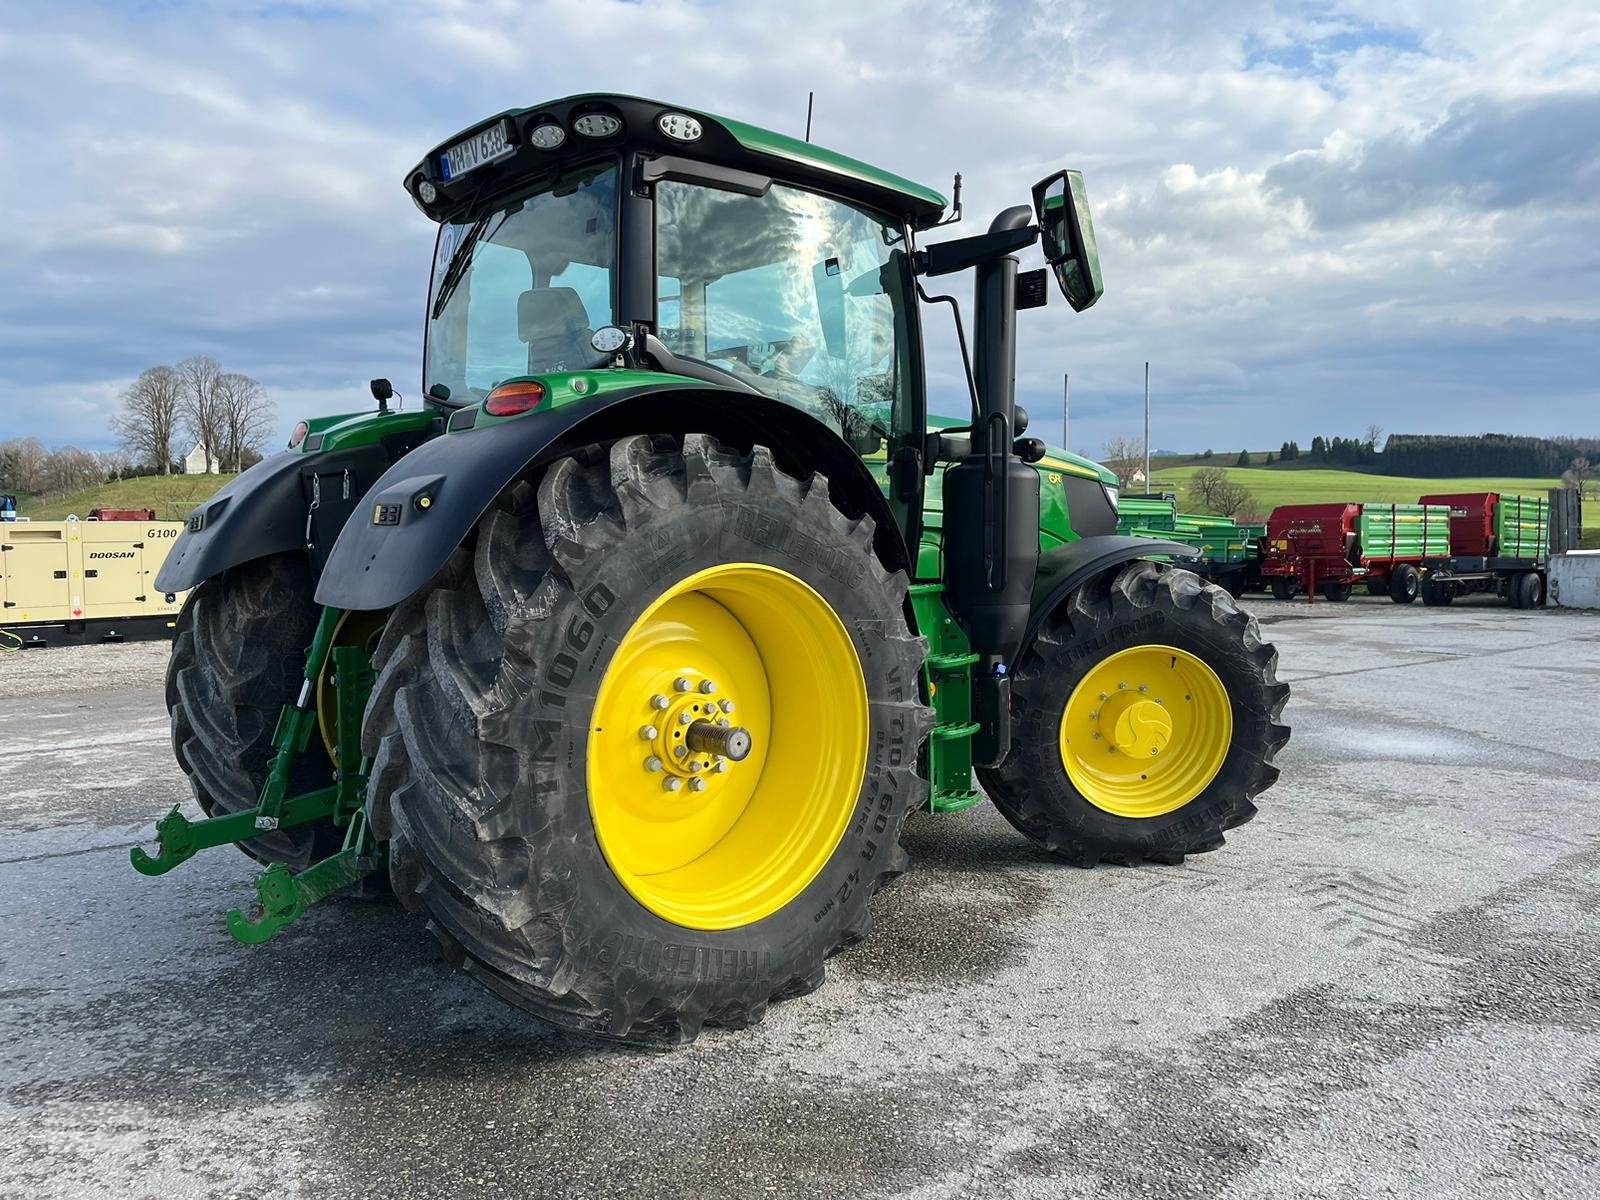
[(1386, 985)]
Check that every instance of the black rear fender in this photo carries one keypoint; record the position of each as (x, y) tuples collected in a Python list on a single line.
[(427, 503)]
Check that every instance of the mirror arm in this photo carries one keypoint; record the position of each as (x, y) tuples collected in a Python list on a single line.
[(945, 258)]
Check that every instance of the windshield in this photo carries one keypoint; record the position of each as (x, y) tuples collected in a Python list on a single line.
[(521, 289), (802, 297)]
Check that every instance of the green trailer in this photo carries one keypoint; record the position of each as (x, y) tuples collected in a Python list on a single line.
[(1225, 552)]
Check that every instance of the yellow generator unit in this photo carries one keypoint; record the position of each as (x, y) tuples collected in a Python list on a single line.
[(77, 581)]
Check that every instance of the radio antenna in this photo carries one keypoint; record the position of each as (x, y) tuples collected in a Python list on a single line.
[(810, 96)]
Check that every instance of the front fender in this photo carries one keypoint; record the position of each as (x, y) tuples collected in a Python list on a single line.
[(428, 502), (1066, 567)]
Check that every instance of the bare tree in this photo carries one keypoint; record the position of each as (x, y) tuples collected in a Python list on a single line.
[(22, 464), (202, 403), (149, 418), (1124, 458), (1374, 434), (1581, 474), (244, 418), (1210, 489)]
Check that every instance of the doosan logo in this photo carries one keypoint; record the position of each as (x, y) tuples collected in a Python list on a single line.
[(111, 554)]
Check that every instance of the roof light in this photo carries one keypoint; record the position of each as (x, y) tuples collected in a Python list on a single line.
[(597, 125), (299, 434), (547, 136), (518, 396), (680, 127), (426, 192)]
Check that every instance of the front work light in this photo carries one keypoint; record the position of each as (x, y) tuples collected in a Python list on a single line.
[(509, 399), (426, 192), (547, 136), (597, 125), (680, 127)]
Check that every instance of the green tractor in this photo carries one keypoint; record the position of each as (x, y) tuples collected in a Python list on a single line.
[(626, 653)]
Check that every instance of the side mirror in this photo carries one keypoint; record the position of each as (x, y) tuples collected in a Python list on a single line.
[(1067, 234)]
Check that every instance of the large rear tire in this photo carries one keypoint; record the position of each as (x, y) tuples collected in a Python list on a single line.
[(1183, 693), (238, 656), (526, 725)]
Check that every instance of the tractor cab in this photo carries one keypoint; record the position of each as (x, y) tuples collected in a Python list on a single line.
[(722, 252)]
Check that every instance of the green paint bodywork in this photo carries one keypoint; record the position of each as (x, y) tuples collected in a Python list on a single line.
[(576, 387), (346, 431)]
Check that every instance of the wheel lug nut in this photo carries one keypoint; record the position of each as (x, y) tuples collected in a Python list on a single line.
[(1122, 687), (680, 751), (721, 766), (723, 721), (681, 684), (672, 783), (647, 732), (1097, 736), (1144, 687), (694, 764), (1094, 716), (659, 702), (725, 705), (1103, 696), (684, 718), (652, 763), (697, 785), (707, 686)]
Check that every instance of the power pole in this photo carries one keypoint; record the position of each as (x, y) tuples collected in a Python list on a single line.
[(1147, 426), (1065, 382)]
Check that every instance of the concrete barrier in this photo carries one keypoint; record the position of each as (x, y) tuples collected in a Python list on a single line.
[(1575, 579)]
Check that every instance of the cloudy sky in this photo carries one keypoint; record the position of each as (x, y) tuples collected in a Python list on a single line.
[(1311, 217)]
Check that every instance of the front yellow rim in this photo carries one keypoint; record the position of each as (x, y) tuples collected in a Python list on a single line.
[(355, 628), (1146, 731), (699, 839)]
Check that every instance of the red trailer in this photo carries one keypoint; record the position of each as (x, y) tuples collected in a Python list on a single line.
[(1499, 544), (122, 514), (1312, 548)]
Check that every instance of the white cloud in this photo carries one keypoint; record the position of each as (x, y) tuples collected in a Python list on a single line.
[(1311, 217)]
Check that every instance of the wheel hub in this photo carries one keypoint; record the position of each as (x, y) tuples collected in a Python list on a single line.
[(1140, 726), (689, 735)]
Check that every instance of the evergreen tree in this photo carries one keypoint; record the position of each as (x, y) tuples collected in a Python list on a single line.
[(1244, 459)]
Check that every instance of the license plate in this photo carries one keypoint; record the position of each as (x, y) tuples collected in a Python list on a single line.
[(485, 146)]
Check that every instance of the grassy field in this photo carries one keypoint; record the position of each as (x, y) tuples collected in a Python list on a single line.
[(172, 496), (1271, 487)]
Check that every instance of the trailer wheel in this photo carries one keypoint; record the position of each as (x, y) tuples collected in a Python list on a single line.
[(238, 656), (1404, 583), (1337, 592), (1436, 594), (1284, 588), (1146, 717), (1377, 586), (551, 765), (1235, 584), (1526, 590)]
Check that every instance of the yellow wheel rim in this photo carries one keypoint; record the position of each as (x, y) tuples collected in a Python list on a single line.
[(1146, 731), (355, 628), (699, 839)]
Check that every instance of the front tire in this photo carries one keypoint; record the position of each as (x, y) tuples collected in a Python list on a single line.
[(238, 656), (523, 754), (1191, 660)]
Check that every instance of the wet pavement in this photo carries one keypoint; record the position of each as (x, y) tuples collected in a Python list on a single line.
[(1384, 985)]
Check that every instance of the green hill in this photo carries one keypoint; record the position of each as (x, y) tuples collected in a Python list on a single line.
[(172, 496)]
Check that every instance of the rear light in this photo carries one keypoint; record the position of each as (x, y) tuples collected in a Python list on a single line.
[(299, 434), (509, 399)]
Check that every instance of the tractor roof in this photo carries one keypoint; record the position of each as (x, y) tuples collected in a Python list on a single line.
[(721, 141)]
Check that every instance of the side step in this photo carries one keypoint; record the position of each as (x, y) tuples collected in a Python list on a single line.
[(947, 676)]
